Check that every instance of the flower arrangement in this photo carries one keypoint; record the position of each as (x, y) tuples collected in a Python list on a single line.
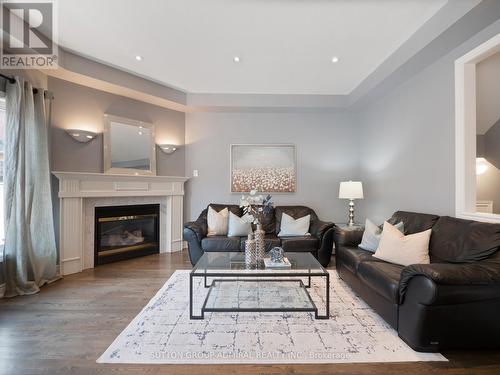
[(255, 205)]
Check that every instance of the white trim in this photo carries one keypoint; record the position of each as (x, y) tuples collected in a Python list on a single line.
[(118, 177), (465, 131), (80, 193)]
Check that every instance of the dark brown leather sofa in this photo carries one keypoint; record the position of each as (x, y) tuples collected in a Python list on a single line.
[(319, 243), (453, 302)]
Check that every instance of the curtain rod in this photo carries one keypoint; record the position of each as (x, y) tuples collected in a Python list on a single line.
[(10, 79), (47, 94)]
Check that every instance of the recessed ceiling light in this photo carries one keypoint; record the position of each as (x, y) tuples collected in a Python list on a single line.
[(335, 59), (236, 59), (138, 58)]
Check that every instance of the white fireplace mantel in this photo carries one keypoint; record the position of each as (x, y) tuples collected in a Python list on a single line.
[(81, 192)]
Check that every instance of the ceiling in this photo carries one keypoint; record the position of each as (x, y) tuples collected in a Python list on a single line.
[(285, 46)]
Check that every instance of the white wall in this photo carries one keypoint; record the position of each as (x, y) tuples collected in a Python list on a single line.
[(327, 153)]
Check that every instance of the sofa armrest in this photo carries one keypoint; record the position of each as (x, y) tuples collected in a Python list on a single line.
[(199, 227), (193, 233), (483, 273), (318, 228), (323, 231), (350, 238)]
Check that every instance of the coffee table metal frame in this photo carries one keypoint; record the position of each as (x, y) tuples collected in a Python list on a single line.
[(259, 276)]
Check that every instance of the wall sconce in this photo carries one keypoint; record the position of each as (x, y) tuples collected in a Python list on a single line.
[(168, 149), (82, 136)]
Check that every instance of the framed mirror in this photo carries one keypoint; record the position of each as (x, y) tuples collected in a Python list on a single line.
[(129, 146)]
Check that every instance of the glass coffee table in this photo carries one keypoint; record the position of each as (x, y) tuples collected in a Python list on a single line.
[(232, 287)]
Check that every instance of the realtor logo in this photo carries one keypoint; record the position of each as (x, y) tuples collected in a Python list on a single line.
[(28, 36)]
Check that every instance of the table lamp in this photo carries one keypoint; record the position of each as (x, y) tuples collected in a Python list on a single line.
[(351, 190)]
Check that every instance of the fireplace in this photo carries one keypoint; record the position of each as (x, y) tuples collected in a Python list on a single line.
[(124, 232)]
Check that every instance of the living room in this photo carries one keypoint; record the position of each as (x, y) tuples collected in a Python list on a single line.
[(252, 187)]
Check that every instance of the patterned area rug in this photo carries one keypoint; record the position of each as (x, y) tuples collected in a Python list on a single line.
[(162, 333)]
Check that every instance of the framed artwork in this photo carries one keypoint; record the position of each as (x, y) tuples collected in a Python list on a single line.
[(267, 168)]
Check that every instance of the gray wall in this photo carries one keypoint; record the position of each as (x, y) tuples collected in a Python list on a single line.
[(492, 143), (408, 141), (82, 107), (327, 153), (488, 183)]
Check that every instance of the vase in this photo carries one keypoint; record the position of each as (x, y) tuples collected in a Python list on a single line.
[(250, 252), (259, 242)]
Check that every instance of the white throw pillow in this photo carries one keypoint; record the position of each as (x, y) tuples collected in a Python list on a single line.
[(217, 222), (372, 234), (239, 226), (395, 247), (292, 227)]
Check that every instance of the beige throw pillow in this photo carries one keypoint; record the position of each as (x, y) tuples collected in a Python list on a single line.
[(217, 222), (395, 247)]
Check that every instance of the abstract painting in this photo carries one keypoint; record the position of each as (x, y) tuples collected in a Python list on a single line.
[(263, 167)]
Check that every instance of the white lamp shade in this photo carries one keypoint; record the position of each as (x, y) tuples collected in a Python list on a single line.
[(351, 190)]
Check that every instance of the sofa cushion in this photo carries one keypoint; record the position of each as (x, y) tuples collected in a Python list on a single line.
[(395, 247), (220, 243), (414, 222), (217, 222), (457, 240), (270, 241), (382, 277), (291, 227), (373, 233), (297, 244), (351, 257), (238, 226), (268, 222), (293, 211)]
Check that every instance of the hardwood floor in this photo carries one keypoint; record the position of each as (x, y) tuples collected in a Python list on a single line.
[(67, 326)]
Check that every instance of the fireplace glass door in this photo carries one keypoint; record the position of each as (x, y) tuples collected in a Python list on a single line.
[(123, 232)]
